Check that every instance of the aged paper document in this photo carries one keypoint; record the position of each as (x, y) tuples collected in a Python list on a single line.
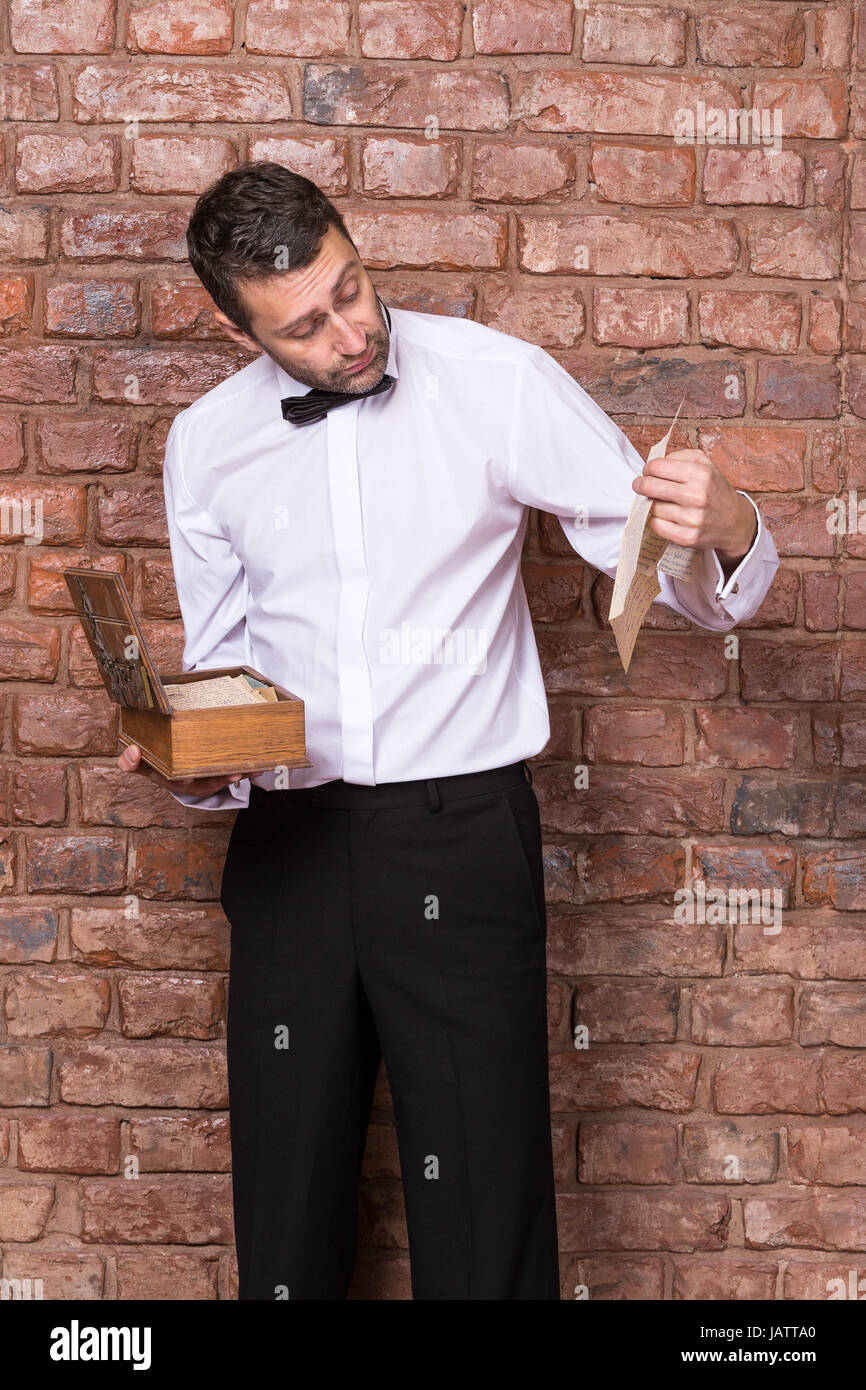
[(641, 554), (216, 693)]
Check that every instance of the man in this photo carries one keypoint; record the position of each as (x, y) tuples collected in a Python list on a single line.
[(362, 549)]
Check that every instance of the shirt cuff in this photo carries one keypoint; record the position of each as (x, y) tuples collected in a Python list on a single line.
[(230, 798), (741, 594)]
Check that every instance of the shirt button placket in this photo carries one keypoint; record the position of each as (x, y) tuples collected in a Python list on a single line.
[(356, 696)]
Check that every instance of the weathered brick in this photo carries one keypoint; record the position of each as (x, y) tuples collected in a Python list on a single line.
[(154, 1211), (798, 390), (663, 666), (638, 1011), (821, 601), (639, 318), (16, 304), (399, 28), (742, 1013), (645, 941), (324, 159), (66, 164), (627, 1153), (23, 234), (69, 1141), (643, 1221), (28, 92), (823, 1221), (148, 936), (29, 651), (434, 240), (75, 863), (602, 244), (752, 36), (25, 1075), (644, 34), (141, 234), (50, 512), (26, 933), (24, 1209), (767, 1083), (644, 174), (179, 163), (84, 443), (522, 26), (154, 1275), (844, 1277), (743, 737), (64, 1273), (177, 866), (726, 1280), (759, 458), (650, 737), (827, 1156), (767, 321), (320, 28), (409, 167), (11, 443), (163, 1005), (62, 28), (181, 1144), (552, 316), (189, 92), (38, 794), (195, 26), (36, 375), (553, 591), (766, 177), (64, 723), (708, 1151), (180, 1076), (91, 309), (155, 376), (799, 248), (796, 807), (618, 103), (813, 107), (620, 870), (60, 1001), (831, 949), (789, 671), (461, 100)]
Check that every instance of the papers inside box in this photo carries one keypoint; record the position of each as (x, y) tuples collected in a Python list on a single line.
[(219, 692)]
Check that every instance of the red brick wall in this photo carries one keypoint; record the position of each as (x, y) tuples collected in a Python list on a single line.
[(710, 1140)]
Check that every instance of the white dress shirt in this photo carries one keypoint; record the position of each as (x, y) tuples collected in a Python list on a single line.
[(370, 562)]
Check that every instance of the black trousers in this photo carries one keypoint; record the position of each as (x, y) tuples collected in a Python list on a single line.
[(405, 920)]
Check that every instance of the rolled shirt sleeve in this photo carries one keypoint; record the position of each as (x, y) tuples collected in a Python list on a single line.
[(567, 457), (211, 589)]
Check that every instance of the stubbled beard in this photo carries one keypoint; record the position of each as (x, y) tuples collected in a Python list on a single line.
[(350, 382)]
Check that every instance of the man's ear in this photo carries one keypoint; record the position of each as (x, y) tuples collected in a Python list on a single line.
[(232, 331)]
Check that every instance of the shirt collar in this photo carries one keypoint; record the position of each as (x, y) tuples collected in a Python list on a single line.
[(289, 386)]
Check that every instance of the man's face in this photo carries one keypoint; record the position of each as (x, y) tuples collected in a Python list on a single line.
[(323, 324)]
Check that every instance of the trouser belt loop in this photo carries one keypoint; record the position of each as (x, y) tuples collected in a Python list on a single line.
[(433, 796), (527, 772)]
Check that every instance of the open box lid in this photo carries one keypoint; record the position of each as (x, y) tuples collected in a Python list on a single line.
[(115, 637)]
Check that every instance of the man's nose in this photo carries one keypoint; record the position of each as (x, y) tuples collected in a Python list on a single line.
[(349, 340)]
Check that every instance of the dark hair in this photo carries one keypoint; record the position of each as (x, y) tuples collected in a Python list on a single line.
[(245, 220)]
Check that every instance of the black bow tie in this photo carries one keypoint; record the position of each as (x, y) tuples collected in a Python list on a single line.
[(304, 410)]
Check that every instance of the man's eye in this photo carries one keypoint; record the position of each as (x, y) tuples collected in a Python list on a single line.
[(310, 331)]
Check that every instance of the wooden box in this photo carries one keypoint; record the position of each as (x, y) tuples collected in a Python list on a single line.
[(181, 743)]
